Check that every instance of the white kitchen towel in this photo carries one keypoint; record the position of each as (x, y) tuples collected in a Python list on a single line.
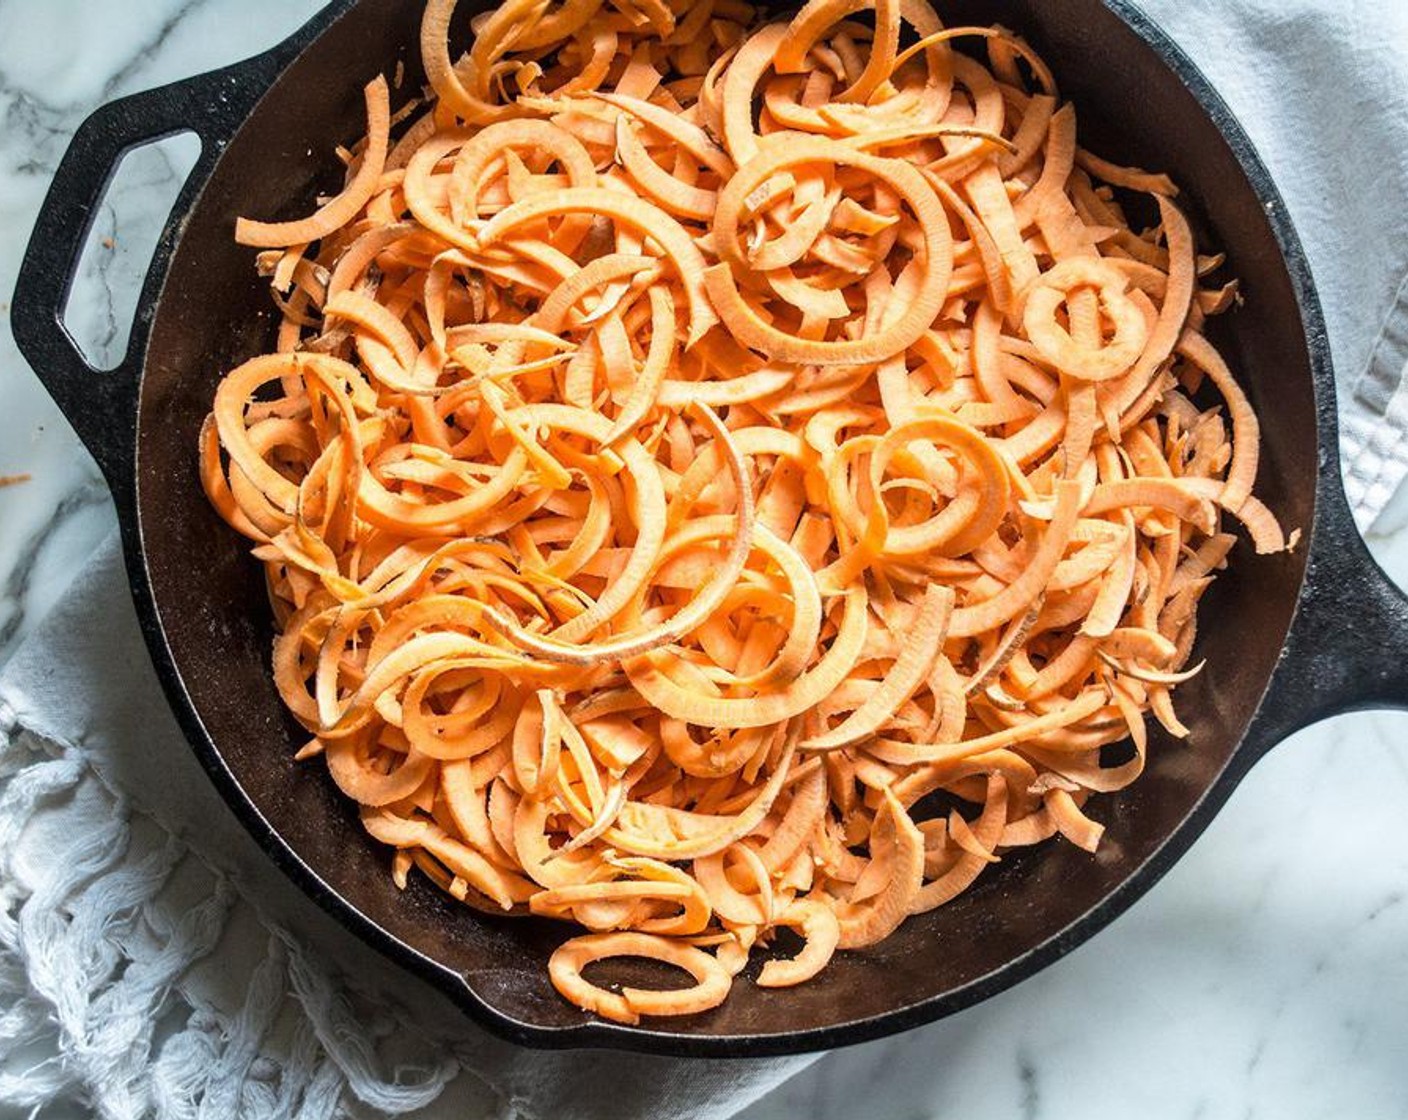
[(152, 963)]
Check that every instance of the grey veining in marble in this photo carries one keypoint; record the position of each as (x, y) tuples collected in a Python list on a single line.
[(1266, 976)]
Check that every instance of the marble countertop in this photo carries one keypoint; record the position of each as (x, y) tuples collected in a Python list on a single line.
[(1265, 976)]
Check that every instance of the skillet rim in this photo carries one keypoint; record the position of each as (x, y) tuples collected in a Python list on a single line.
[(1328, 506)]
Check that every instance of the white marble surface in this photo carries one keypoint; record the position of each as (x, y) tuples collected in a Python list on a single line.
[(1267, 975)]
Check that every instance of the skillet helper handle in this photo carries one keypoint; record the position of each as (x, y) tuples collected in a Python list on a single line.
[(102, 404), (1348, 647)]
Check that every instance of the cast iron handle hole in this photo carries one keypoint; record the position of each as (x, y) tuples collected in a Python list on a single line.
[(126, 224)]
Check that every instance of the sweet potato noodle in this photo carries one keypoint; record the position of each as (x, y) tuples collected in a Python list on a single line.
[(692, 442)]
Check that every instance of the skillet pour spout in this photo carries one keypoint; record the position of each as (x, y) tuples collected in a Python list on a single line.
[(1289, 639)]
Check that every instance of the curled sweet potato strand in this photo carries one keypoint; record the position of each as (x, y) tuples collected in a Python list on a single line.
[(692, 441), (339, 211)]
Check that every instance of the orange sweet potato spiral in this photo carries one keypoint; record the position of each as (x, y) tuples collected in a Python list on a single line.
[(693, 441)]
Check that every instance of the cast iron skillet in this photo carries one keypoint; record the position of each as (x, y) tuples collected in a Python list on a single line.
[(1289, 639)]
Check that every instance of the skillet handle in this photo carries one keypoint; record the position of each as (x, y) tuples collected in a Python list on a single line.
[(1348, 646), (101, 404)]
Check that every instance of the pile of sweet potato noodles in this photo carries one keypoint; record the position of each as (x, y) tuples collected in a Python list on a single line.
[(720, 476)]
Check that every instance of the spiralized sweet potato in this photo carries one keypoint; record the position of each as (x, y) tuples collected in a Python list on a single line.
[(694, 442)]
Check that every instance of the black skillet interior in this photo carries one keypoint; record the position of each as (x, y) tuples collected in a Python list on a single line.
[(209, 600)]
